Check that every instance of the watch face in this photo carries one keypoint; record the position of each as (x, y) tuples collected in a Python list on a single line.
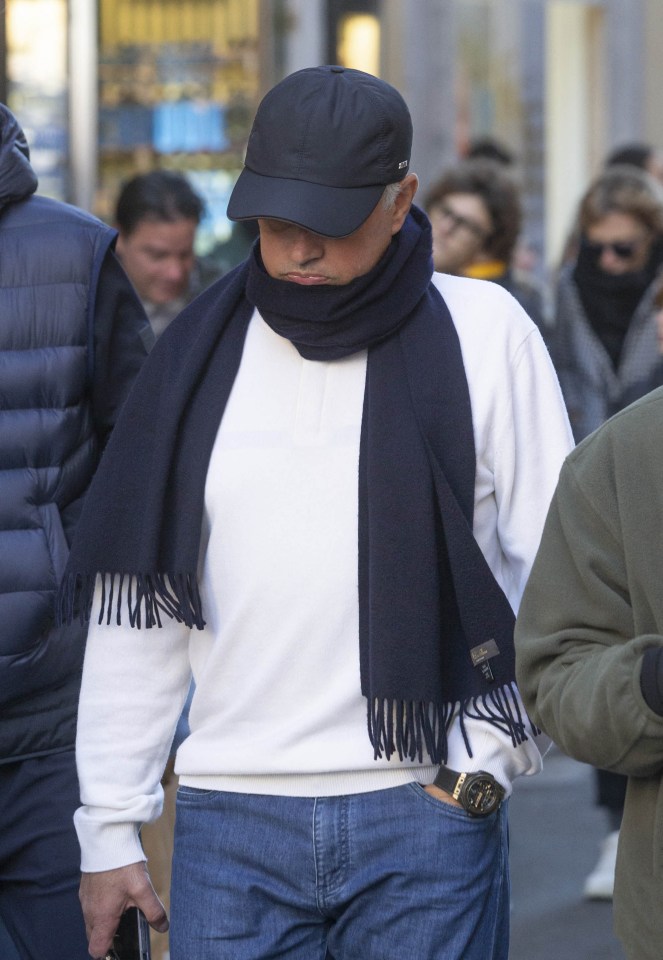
[(482, 795)]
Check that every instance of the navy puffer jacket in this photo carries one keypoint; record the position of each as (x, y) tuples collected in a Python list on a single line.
[(51, 257)]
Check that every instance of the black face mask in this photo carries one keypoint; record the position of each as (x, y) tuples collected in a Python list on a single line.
[(610, 300)]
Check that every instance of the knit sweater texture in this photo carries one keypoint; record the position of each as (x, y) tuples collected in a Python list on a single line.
[(279, 585)]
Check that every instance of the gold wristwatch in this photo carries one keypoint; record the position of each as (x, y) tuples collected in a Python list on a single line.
[(478, 793)]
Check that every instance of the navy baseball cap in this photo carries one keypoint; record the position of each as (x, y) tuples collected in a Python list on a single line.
[(324, 144)]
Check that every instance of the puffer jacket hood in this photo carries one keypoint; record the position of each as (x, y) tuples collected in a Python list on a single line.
[(17, 178)]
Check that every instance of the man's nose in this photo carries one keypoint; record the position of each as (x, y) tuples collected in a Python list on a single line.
[(176, 270), (306, 246)]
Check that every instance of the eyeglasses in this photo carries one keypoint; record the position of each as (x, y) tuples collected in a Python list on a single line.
[(459, 222), (623, 250)]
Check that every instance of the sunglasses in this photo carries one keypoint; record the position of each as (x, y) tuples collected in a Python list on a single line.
[(623, 250)]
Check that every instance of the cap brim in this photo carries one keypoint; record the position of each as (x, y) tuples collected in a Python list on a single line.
[(329, 211)]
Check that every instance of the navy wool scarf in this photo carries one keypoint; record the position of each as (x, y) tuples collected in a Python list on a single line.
[(435, 628)]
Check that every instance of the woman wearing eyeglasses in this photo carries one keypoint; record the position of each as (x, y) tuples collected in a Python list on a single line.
[(604, 340), (475, 214)]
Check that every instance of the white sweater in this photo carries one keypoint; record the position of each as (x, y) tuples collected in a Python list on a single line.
[(278, 707)]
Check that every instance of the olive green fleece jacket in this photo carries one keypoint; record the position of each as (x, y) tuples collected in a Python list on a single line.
[(592, 607)]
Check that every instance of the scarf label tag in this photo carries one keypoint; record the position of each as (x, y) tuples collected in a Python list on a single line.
[(481, 654), (484, 652)]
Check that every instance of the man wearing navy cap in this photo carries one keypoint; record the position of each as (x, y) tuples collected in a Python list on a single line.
[(322, 502)]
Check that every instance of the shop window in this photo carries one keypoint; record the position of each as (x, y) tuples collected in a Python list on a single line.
[(178, 88), (353, 31), (358, 39), (488, 72)]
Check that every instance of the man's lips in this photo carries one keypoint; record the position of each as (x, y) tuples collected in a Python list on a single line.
[(306, 279)]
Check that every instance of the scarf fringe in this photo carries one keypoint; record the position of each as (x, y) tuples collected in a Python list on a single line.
[(142, 596), (407, 728)]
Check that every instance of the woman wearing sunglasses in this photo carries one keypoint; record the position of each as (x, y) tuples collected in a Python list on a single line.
[(604, 340)]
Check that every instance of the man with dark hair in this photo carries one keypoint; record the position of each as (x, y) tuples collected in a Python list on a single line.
[(475, 212), (323, 505), (71, 343), (157, 215)]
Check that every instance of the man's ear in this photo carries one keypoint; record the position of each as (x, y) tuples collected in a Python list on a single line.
[(401, 208)]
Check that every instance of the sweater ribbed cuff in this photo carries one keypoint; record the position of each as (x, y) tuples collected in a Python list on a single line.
[(651, 679), (106, 846)]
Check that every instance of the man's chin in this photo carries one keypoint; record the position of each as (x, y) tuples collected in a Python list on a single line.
[(164, 299)]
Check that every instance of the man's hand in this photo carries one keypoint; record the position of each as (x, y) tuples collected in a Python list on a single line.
[(442, 795), (105, 896)]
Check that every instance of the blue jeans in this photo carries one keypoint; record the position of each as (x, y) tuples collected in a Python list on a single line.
[(373, 876)]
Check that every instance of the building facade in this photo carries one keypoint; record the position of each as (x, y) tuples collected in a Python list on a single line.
[(105, 88)]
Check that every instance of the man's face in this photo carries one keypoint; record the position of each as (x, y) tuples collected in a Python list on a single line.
[(158, 258), (461, 224), (294, 254)]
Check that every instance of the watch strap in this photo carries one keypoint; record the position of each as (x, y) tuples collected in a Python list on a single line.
[(478, 792), (450, 780)]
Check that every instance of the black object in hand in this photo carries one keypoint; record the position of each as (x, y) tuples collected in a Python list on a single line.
[(132, 937)]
